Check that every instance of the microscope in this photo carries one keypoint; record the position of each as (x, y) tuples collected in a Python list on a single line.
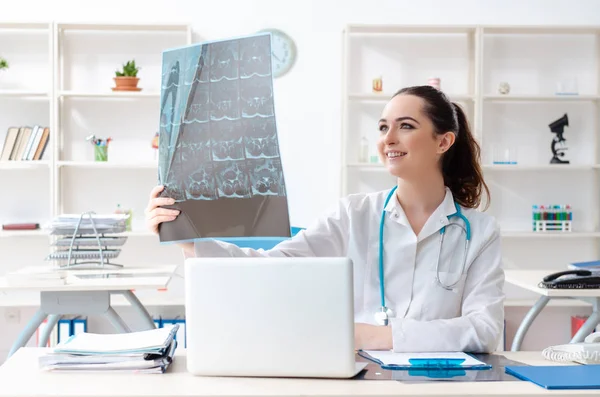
[(557, 128)]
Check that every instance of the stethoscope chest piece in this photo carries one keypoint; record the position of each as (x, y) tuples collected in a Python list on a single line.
[(383, 315)]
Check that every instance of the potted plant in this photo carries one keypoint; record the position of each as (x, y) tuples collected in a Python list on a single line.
[(3, 63), (126, 79)]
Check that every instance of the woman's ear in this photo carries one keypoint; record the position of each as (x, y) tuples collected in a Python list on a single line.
[(445, 142)]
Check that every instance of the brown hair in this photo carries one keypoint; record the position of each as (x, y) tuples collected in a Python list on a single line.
[(460, 164)]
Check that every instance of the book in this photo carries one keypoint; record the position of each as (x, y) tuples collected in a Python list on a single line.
[(218, 150)]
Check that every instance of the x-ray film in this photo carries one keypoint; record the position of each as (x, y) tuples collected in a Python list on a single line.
[(218, 148)]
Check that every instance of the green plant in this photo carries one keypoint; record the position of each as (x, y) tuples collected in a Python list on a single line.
[(3, 63), (129, 70)]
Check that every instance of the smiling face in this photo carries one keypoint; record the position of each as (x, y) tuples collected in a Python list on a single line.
[(408, 143)]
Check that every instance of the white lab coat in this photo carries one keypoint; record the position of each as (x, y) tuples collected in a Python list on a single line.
[(427, 317)]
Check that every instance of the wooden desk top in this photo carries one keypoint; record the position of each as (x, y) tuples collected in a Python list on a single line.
[(20, 376)]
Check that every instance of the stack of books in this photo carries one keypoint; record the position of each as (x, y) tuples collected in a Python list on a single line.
[(144, 351)]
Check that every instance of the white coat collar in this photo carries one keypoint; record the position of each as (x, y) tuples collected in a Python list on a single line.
[(436, 221)]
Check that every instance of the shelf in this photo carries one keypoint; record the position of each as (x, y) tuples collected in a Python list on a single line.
[(110, 94), (23, 164), (563, 235), (107, 164), (24, 25), (23, 94), (24, 233), (156, 27), (546, 29), (359, 30), (541, 98), (544, 167), (501, 167), (384, 97)]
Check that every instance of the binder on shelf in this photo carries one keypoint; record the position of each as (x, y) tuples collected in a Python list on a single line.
[(64, 330), (78, 326), (71, 327)]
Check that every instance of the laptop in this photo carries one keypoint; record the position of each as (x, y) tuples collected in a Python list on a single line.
[(270, 317)]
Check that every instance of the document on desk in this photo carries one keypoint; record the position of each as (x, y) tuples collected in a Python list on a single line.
[(435, 360)]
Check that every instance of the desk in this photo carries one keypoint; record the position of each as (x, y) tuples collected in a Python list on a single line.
[(529, 280), (20, 376), (87, 292)]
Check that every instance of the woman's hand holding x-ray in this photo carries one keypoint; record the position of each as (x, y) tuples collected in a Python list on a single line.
[(155, 214)]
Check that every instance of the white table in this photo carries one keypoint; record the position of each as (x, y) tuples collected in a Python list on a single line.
[(529, 280), (87, 292), (20, 376)]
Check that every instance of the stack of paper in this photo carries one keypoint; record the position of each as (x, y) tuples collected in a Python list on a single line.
[(145, 351), (66, 224)]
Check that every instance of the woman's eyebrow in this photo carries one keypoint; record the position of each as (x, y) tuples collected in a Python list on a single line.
[(399, 119)]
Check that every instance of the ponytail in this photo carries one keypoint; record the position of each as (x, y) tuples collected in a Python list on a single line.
[(461, 163), (461, 166)]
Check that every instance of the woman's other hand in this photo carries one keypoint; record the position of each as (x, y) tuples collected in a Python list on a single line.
[(372, 337)]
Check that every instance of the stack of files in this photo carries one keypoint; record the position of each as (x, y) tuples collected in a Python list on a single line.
[(144, 351), (440, 360), (104, 223)]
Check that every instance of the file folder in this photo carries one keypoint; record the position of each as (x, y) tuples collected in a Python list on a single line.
[(64, 330), (558, 377)]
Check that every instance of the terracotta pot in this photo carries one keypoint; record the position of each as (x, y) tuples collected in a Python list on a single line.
[(126, 83)]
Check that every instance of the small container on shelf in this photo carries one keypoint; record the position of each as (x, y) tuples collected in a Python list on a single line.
[(378, 85), (552, 218)]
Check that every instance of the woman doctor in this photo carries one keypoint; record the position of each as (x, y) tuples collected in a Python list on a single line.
[(438, 295)]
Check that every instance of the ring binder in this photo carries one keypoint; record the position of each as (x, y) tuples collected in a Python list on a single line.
[(87, 239)]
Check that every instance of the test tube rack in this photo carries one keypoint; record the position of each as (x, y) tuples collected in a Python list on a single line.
[(552, 218), (90, 243)]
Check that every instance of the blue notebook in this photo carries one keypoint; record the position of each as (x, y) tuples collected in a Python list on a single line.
[(559, 376)]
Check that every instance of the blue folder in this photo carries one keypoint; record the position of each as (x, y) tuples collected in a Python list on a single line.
[(559, 376)]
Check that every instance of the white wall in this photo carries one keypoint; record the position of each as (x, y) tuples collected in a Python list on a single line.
[(308, 102), (308, 99)]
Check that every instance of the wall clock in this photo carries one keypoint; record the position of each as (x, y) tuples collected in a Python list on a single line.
[(283, 52)]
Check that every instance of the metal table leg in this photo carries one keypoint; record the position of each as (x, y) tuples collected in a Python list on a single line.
[(589, 325), (33, 324), (116, 320), (141, 310), (45, 335), (527, 321)]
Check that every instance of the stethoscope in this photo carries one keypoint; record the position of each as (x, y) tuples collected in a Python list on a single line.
[(384, 313)]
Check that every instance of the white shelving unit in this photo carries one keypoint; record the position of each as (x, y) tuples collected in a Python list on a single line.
[(60, 76), (471, 62)]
